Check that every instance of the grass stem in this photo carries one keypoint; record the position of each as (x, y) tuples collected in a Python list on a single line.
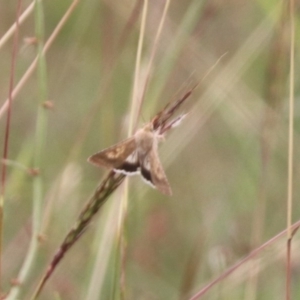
[(7, 130), (41, 126), (290, 150)]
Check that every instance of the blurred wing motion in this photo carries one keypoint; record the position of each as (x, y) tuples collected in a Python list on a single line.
[(121, 157)]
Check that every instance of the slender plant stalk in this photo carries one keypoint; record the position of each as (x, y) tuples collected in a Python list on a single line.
[(13, 28), (7, 129), (119, 282), (235, 267), (104, 86), (101, 194), (276, 77), (41, 125), (95, 285), (153, 52), (136, 85), (103, 191), (121, 232), (136, 105), (290, 151), (105, 247), (33, 65), (173, 50)]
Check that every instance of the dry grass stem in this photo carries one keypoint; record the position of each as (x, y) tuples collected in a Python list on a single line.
[(103, 191)]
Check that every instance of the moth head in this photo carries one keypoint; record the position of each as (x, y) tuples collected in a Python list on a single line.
[(148, 127)]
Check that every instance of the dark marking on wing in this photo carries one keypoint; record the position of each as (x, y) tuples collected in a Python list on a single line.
[(128, 168), (146, 174)]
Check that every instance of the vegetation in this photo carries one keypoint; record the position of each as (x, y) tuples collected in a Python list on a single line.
[(80, 76)]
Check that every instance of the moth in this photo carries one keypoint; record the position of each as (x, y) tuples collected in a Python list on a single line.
[(136, 155)]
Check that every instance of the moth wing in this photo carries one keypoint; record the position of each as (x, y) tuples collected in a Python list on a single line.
[(146, 170), (153, 173), (130, 165), (115, 156)]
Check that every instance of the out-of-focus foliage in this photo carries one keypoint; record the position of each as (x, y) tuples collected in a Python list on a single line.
[(226, 163)]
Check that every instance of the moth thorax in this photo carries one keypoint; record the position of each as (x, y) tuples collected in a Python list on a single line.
[(144, 140)]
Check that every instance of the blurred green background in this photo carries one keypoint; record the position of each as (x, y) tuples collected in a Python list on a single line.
[(226, 163)]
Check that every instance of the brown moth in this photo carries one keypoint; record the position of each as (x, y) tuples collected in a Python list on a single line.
[(136, 155)]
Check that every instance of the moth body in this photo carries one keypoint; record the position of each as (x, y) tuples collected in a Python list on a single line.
[(145, 140), (136, 155)]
